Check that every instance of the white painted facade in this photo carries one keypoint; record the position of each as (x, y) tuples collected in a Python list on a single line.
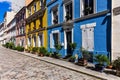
[(8, 17), (115, 30)]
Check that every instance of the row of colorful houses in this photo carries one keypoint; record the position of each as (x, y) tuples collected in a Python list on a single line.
[(89, 23)]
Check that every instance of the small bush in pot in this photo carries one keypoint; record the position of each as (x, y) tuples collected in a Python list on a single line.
[(48, 54), (85, 56), (116, 65), (42, 51), (20, 48), (72, 59), (73, 46), (102, 61), (7, 45), (58, 47), (34, 50), (29, 49)]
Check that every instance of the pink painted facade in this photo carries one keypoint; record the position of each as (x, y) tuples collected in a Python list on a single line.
[(20, 27)]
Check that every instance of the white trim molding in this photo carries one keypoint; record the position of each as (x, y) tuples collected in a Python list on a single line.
[(90, 25)]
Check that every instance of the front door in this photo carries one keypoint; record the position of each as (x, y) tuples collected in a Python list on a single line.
[(69, 40)]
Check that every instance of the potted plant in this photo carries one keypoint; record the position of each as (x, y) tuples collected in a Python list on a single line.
[(87, 10), (85, 56), (72, 46), (58, 47), (48, 54), (34, 50), (68, 17), (29, 49), (42, 51), (72, 59), (116, 65), (102, 61), (20, 48)]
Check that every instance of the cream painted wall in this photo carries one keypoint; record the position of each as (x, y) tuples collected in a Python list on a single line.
[(115, 31)]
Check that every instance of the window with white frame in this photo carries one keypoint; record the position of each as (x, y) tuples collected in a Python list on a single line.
[(68, 8), (29, 41), (34, 7), (34, 43), (40, 40), (29, 11), (88, 36), (55, 16), (41, 2), (87, 7), (54, 39)]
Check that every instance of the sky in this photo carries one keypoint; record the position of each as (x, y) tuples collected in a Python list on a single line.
[(4, 6), (7, 5)]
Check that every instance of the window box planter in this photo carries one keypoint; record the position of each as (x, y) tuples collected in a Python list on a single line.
[(82, 62)]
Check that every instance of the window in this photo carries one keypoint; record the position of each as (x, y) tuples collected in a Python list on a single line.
[(88, 36), (22, 15), (40, 3), (34, 40), (54, 38), (35, 7), (55, 16), (69, 11), (88, 7), (40, 40), (41, 23), (29, 41), (29, 11), (29, 29), (21, 42), (34, 25)]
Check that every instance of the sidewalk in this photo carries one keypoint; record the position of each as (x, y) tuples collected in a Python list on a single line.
[(73, 67)]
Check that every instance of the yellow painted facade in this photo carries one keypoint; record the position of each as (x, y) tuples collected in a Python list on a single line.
[(36, 24)]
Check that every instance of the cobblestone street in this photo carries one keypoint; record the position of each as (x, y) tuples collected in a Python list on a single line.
[(14, 66)]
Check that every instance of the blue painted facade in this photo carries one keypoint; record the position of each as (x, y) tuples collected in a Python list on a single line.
[(102, 28)]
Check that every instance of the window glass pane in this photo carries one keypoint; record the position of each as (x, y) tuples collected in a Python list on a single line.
[(55, 37), (69, 10), (88, 6)]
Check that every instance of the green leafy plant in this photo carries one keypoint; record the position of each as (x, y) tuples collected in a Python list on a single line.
[(85, 53), (29, 49), (116, 63), (102, 59), (7, 45), (58, 47), (48, 54), (42, 50), (72, 58), (87, 10), (73, 46), (20, 48), (35, 49)]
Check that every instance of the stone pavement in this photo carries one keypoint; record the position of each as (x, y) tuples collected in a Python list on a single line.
[(73, 67), (16, 66)]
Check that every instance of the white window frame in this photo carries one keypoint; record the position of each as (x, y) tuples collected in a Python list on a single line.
[(35, 7), (64, 11), (51, 38), (39, 45), (82, 8), (52, 18), (86, 27)]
